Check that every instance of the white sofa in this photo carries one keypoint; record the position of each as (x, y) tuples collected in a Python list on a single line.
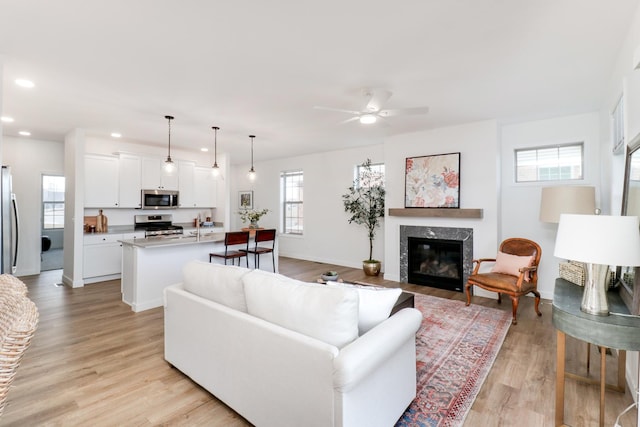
[(286, 353)]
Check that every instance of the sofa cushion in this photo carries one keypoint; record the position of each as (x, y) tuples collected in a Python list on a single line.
[(328, 314), (375, 304), (216, 282)]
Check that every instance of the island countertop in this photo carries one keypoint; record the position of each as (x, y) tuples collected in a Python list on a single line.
[(186, 239)]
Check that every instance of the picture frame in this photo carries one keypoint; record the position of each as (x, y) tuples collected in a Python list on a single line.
[(245, 199), (432, 181)]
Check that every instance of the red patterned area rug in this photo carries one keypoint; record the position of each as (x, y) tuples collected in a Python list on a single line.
[(456, 347)]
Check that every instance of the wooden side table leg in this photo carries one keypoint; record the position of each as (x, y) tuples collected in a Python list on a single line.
[(560, 355), (603, 382)]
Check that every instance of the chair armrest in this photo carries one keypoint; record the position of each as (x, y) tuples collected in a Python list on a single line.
[(366, 354), (525, 269), (479, 261)]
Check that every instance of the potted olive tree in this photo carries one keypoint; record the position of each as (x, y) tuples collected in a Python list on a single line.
[(364, 201)]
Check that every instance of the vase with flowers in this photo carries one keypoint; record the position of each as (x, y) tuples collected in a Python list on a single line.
[(253, 216)]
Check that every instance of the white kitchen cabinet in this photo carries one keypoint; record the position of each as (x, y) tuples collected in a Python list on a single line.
[(102, 256), (129, 178), (186, 187), (100, 181), (155, 177), (205, 188)]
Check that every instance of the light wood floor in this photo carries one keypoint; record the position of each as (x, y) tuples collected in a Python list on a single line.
[(95, 362)]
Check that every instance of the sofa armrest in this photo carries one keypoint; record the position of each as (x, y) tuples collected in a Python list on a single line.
[(358, 359)]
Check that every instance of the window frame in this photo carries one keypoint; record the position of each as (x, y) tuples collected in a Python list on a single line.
[(579, 144), (286, 203), (375, 168), (44, 203)]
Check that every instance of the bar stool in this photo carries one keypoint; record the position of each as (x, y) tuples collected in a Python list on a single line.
[(266, 235), (233, 238)]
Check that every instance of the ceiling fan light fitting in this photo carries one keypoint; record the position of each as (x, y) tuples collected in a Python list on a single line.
[(367, 119)]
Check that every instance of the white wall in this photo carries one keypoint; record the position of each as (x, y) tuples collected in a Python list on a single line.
[(29, 160), (479, 185), (328, 237), (521, 201)]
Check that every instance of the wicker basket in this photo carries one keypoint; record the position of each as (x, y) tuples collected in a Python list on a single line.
[(573, 271), (18, 322)]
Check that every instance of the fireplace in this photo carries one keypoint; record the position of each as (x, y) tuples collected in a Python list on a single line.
[(436, 263), (439, 257)]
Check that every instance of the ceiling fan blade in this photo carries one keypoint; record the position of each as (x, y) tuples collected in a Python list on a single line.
[(352, 119), (339, 110), (403, 111), (377, 99)]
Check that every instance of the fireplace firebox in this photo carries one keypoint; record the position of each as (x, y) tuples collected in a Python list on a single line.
[(448, 235), (435, 262)]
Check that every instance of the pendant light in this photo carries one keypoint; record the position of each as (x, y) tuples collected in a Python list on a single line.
[(169, 166), (252, 172), (215, 169)]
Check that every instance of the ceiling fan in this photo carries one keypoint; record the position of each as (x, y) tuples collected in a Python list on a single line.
[(373, 109)]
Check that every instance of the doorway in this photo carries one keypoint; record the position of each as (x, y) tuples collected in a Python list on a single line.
[(52, 230)]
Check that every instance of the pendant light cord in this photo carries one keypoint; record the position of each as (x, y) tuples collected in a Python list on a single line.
[(252, 136), (169, 118), (215, 146)]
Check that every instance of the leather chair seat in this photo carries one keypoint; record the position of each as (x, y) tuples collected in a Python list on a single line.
[(499, 282)]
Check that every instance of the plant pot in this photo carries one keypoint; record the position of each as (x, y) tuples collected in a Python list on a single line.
[(371, 268)]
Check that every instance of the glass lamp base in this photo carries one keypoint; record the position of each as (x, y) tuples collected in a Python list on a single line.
[(594, 298)]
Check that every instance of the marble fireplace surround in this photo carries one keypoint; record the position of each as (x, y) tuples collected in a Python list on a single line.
[(445, 233)]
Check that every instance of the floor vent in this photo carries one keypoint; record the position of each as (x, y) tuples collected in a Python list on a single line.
[(58, 285)]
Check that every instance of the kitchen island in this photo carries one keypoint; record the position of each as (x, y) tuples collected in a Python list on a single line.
[(151, 264)]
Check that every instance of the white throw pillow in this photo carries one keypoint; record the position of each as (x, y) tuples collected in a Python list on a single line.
[(325, 313), (216, 282), (375, 305)]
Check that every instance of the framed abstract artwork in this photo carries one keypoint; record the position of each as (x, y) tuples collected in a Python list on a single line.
[(432, 181)]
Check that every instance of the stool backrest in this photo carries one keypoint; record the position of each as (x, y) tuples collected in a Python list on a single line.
[(236, 238), (265, 235)]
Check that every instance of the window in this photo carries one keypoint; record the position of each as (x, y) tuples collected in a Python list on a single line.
[(377, 174), (291, 195), (551, 163), (52, 201)]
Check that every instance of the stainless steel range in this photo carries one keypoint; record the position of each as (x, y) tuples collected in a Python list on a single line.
[(157, 225)]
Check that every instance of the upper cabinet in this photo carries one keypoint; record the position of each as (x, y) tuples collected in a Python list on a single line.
[(154, 175), (129, 178), (197, 186), (117, 181), (100, 181), (186, 184), (205, 188)]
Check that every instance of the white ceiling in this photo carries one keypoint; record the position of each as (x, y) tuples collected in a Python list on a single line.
[(259, 67)]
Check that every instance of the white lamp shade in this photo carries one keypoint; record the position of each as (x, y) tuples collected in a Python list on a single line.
[(571, 199), (599, 239)]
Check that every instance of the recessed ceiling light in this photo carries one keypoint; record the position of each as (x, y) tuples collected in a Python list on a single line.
[(6, 119), (25, 83), (25, 133), (204, 149), (116, 135)]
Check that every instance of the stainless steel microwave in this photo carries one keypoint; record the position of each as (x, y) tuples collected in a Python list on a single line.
[(159, 199)]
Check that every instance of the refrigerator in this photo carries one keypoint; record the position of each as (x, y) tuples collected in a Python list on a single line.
[(8, 223)]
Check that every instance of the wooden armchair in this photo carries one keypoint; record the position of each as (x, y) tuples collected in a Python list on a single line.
[(515, 273)]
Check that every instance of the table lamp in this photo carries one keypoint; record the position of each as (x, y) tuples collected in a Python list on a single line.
[(599, 241), (572, 199)]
